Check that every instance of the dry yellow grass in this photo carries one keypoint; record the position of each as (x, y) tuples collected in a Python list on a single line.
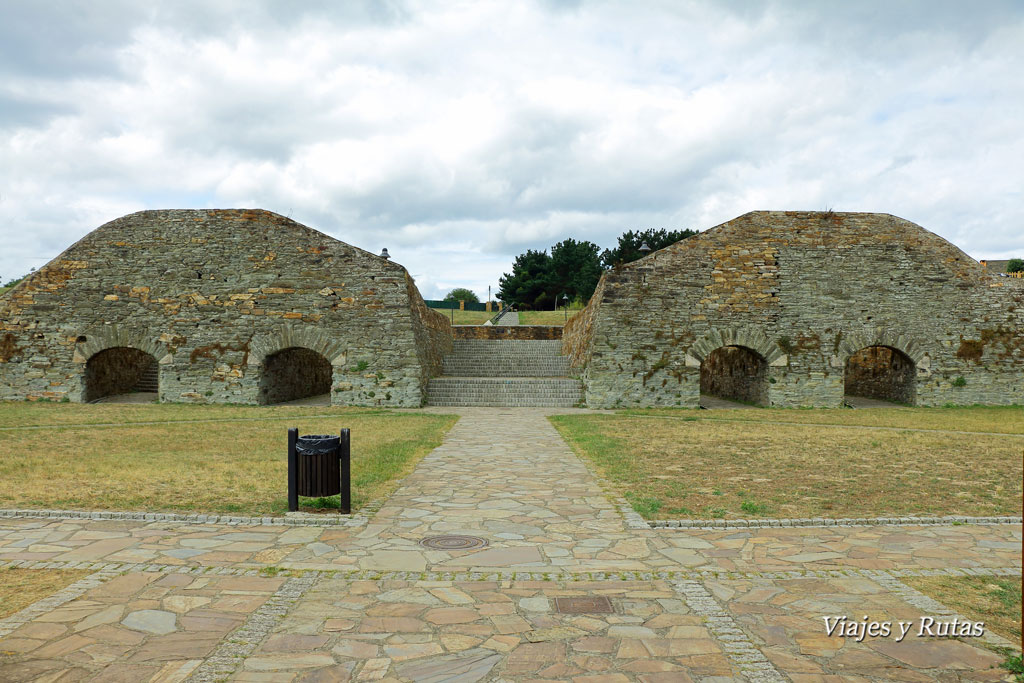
[(228, 466), (716, 469), (19, 588), (544, 317), (19, 414), (995, 600), (997, 419), (467, 317)]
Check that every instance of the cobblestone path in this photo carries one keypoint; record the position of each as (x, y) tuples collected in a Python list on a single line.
[(175, 601)]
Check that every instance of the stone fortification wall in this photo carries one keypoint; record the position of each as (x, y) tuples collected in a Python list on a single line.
[(211, 295), (578, 334), (805, 291), (433, 333)]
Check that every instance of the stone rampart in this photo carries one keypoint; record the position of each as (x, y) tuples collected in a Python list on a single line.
[(804, 291), (214, 296)]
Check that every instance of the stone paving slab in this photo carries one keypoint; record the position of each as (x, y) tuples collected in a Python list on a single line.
[(786, 618), (138, 626)]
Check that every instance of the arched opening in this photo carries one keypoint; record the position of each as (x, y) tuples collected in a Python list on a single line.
[(119, 371), (882, 373), (295, 373), (735, 373)]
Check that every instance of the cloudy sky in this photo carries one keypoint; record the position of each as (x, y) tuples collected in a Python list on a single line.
[(458, 135)]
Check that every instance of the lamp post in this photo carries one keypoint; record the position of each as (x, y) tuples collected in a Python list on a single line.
[(565, 306)]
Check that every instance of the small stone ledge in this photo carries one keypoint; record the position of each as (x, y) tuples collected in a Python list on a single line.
[(293, 519), (821, 522)]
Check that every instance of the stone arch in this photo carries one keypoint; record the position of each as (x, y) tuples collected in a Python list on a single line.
[(746, 337), (735, 373), (882, 373), (118, 359), (287, 337), (96, 339), (119, 370), (294, 373), (853, 342)]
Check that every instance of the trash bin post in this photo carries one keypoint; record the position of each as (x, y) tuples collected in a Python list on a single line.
[(293, 471), (345, 505)]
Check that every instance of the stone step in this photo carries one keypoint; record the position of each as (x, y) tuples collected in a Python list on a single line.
[(507, 345), (496, 391), (150, 380), (502, 367)]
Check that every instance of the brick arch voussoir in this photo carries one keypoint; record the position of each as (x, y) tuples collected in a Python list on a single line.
[(855, 341), (99, 339), (288, 336), (747, 337)]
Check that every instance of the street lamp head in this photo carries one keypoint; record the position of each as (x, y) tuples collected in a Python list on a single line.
[(645, 249), (384, 254)]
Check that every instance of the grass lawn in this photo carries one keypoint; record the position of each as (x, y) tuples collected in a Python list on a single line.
[(995, 600), (545, 317), (999, 419), (19, 588), (178, 458), (467, 317), (711, 468)]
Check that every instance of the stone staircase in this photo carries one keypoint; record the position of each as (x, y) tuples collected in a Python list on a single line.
[(150, 380), (506, 373)]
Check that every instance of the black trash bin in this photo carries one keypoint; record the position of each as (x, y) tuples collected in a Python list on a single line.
[(319, 465), (319, 471)]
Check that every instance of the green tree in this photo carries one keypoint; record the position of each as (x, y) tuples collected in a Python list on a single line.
[(628, 248), (575, 270), (462, 294), (527, 283), (1015, 265)]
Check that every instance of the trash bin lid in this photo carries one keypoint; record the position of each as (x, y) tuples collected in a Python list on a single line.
[(317, 444)]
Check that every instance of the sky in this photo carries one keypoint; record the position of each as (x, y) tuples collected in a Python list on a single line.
[(460, 134)]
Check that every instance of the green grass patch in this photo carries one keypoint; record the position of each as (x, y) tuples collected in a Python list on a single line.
[(188, 463), (995, 600), (749, 469), (992, 419)]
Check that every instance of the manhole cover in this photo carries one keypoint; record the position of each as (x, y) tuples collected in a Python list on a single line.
[(453, 542), (588, 605)]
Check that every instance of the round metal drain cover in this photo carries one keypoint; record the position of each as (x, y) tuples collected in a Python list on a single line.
[(453, 542)]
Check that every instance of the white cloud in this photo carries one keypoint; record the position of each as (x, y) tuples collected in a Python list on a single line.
[(459, 135)]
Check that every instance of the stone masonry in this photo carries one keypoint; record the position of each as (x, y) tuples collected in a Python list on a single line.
[(215, 297), (800, 293)]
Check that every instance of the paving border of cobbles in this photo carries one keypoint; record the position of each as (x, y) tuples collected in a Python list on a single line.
[(950, 520), (596, 576), (632, 519), (735, 642), (61, 597), (361, 518), (244, 640)]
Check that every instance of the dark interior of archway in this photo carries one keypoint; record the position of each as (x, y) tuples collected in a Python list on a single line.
[(882, 373), (294, 373), (735, 373), (120, 370)]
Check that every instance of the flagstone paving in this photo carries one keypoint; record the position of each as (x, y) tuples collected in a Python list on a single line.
[(177, 601)]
